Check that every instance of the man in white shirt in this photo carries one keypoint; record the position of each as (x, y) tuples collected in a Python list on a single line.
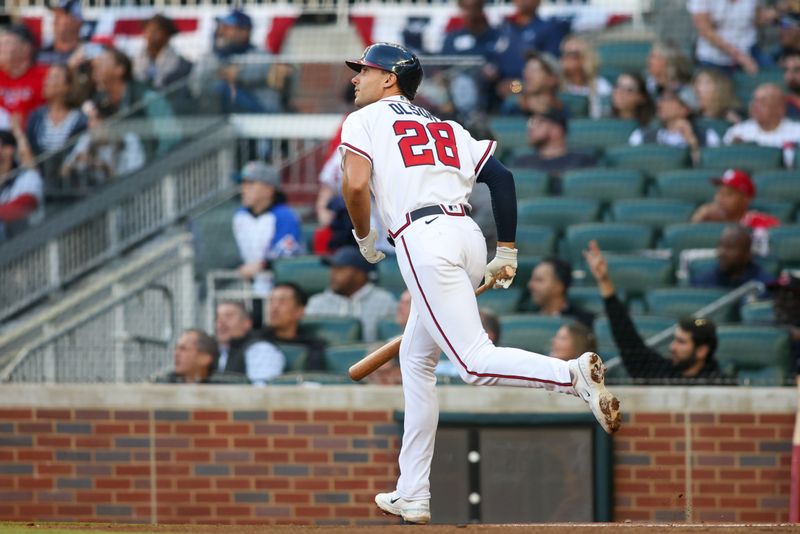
[(768, 125)]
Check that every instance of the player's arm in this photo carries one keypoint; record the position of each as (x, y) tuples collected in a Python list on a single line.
[(504, 208), (355, 190)]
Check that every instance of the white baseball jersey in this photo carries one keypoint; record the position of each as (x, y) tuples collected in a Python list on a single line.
[(439, 160)]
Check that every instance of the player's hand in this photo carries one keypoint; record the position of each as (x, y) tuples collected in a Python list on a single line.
[(367, 246), (504, 257)]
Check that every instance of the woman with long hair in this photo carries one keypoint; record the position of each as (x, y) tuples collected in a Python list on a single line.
[(580, 65)]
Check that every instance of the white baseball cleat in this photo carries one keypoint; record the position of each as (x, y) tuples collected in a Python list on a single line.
[(588, 376), (410, 511)]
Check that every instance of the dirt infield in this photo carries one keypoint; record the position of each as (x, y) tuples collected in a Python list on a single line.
[(625, 528)]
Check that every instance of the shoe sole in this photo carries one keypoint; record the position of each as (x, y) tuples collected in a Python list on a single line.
[(389, 510), (605, 406)]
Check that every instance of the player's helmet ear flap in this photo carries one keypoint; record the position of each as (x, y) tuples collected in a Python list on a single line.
[(392, 58)]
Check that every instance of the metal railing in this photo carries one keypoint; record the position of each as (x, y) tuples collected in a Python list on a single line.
[(118, 329)]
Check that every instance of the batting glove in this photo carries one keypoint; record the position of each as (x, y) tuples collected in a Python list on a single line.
[(504, 257), (367, 246)]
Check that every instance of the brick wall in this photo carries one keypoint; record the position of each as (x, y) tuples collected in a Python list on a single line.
[(169, 454)]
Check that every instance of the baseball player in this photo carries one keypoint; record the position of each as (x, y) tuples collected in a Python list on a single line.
[(421, 171)]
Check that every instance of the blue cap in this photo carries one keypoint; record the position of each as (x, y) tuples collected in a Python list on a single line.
[(71, 7), (349, 257), (236, 18)]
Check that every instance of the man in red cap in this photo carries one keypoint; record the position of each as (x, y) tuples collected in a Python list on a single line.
[(735, 192)]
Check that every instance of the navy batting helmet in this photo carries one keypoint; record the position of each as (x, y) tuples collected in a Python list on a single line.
[(392, 58)]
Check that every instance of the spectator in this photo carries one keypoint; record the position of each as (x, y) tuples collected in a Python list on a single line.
[(265, 227), (21, 186), (158, 65), (789, 28), (735, 192), (668, 69), (286, 307), (195, 357), (539, 90), (351, 294), (579, 67), (735, 265), (791, 76), (727, 36), (67, 23), (102, 153), (768, 125), (52, 125), (572, 340), (235, 76), (630, 99), (548, 287), (692, 348), (676, 127), (547, 133), (713, 92), (241, 349), (21, 80)]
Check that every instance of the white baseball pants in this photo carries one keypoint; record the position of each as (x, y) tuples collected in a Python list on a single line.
[(442, 259)]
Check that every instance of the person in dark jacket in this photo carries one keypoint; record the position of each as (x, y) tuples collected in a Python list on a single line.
[(287, 306), (241, 350), (734, 265), (691, 350)]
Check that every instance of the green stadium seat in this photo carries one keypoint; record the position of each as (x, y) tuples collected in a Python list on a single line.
[(654, 212), (753, 348), (745, 84), (784, 245), (624, 55), (605, 185), (575, 105), (307, 232), (649, 158), (339, 359), (634, 274), (388, 329), (758, 312), (214, 245), (782, 185), (501, 301), (720, 126), (303, 377), (682, 236), (693, 185), (600, 133), (334, 330), (611, 237), (535, 240), (295, 356), (586, 297), (389, 276), (782, 211), (530, 183), (306, 271), (742, 156), (557, 212), (680, 302), (772, 375), (530, 331), (646, 325), (510, 132)]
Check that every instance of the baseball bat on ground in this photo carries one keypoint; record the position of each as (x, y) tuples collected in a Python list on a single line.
[(372, 361)]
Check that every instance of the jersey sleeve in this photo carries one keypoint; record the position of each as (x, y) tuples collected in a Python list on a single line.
[(479, 151), (355, 137)]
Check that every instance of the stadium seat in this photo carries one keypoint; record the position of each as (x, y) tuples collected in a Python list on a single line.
[(339, 359), (501, 301), (752, 348), (303, 377), (693, 185), (307, 231), (611, 237), (510, 132), (654, 212), (295, 356), (682, 236), (758, 312), (720, 126), (576, 106), (634, 274), (646, 325), (603, 184), (765, 376), (530, 331), (388, 329), (586, 297), (530, 183), (680, 302), (745, 84), (214, 245), (389, 276), (782, 185), (624, 55), (535, 240), (599, 133), (306, 271), (557, 212), (783, 211), (751, 158), (334, 330), (649, 158), (784, 245)]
